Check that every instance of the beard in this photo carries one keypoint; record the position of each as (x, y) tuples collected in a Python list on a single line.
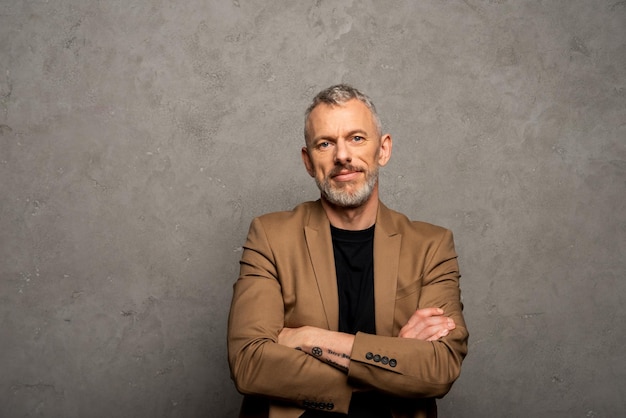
[(348, 199)]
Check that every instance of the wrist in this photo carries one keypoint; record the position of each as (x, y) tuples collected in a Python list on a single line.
[(307, 339)]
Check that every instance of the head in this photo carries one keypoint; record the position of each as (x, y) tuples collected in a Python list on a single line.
[(337, 95), (344, 146)]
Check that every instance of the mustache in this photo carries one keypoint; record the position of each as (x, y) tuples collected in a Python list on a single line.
[(339, 168)]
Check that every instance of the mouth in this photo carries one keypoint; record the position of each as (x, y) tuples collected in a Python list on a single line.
[(345, 174)]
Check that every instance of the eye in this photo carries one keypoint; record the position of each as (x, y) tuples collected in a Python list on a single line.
[(358, 138), (323, 145)]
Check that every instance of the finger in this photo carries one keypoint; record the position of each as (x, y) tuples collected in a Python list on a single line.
[(433, 333), (432, 321), (429, 329), (439, 335), (422, 318), (428, 312), (425, 327)]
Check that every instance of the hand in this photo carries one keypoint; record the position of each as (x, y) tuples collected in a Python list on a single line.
[(427, 324)]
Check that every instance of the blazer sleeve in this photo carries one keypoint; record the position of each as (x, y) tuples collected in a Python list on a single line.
[(411, 368), (258, 364)]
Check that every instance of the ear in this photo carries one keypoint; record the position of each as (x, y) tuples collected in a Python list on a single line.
[(308, 164), (384, 152)]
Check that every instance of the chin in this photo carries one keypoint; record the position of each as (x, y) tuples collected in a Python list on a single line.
[(348, 200)]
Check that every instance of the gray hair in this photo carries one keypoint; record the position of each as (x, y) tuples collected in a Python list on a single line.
[(340, 94)]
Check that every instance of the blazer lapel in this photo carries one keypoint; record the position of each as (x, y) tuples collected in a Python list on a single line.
[(320, 246), (386, 258)]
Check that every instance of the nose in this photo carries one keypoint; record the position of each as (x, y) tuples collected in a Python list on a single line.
[(342, 153)]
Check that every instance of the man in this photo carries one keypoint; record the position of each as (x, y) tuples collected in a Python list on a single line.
[(344, 307)]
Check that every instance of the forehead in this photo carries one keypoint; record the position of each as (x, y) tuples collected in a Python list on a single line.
[(327, 119)]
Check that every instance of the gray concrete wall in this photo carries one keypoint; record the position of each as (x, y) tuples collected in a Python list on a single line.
[(139, 138)]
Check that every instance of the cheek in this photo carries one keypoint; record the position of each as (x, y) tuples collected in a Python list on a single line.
[(319, 168), (319, 174), (314, 171)]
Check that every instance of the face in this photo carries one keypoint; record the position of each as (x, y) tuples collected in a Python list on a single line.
[(344, 152)]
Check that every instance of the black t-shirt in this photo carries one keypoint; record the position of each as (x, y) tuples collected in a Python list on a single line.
[(354, 265)]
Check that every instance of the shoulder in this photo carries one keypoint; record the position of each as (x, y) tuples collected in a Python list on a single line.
[(298, 215), (285, 223), (417, 236), (284, 230), (397, 222)]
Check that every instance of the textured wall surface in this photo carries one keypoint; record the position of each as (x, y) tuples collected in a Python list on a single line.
[(139, 138)]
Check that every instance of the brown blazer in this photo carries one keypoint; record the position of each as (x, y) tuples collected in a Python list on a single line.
[(287, 279)]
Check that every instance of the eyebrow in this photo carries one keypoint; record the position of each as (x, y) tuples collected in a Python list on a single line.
[(348, 135)]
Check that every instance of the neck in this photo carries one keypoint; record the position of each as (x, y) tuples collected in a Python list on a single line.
[(353, 219)]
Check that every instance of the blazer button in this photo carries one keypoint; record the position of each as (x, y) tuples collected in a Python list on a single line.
[(330, 406), (377, 358), (393, 362), (384, 360), (369, 356)]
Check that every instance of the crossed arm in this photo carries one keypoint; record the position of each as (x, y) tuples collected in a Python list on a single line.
[(427, 351), (334, 348)]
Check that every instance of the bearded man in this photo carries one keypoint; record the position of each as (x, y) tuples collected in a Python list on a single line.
[(344, 307)]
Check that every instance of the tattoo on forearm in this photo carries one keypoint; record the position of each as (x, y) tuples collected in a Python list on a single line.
[(337, 365), (319, 353), (342, 355)]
